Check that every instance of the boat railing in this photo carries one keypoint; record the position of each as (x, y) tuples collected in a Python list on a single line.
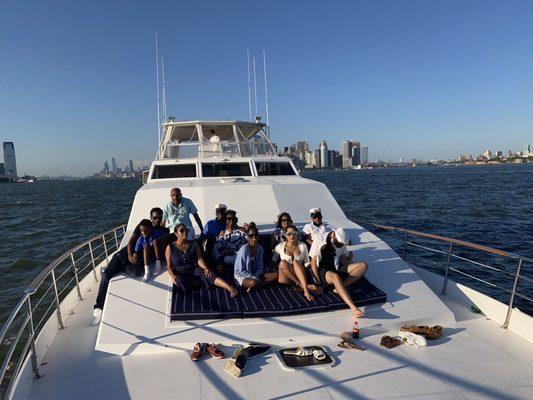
[(224, 149), (43, 297), (451, 253)]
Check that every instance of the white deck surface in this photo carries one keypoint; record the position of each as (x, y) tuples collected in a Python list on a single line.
[(474, 359)]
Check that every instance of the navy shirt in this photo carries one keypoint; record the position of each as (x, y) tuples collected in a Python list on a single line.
[(214, 227)]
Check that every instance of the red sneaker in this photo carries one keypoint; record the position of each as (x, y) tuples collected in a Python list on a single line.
[(216, 353), (197, 352)]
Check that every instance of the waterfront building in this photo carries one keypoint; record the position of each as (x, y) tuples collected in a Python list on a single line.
[(318, 161), (527, 151), (310, 161), (487, 154), (324, 159), (356, 152), (105, 171), (131, 167), (10, 161), (346, 153), (364, 155), (114, 166), (301, 148), (2, 170)]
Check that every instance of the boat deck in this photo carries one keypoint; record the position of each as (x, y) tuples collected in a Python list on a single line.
[(475, 358)]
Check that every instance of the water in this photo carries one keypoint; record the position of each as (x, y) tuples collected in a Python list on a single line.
[(488, 205)]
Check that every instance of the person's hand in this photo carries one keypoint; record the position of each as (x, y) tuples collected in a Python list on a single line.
[(133, 258), (208, 273), (178, 282)]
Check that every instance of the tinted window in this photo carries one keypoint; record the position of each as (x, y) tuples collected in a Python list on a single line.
[(274, 168), (174, 171), (226, 169)]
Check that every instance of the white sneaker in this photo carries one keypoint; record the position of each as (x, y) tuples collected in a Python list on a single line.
[(146, 273), (158, 269), (97, 317), (413, 339)]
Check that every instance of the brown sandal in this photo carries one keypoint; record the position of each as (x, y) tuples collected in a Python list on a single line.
[(390, 342)]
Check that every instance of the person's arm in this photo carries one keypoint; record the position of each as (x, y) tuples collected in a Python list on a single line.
[(165, 216), (170, 271), (198, 221), (132, 256), (240, 266), (314, 268)]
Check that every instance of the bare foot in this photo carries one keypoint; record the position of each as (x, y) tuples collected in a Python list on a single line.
[(358, 313), (309, 296), (311, 287), (233, 292)]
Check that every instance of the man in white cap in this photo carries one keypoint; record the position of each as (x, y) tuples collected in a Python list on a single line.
[(331, 265), (316, 227)]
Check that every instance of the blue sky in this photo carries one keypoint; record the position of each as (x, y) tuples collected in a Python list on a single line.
[(407, 78)]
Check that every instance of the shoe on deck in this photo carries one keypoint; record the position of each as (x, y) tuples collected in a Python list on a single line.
[(97, 317), (214, 351), (252, 350), (390, 342), (235, 365), (197, 352), (431, 333)]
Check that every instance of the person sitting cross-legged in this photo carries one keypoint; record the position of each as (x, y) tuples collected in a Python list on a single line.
[(294, 258), (330, 265), (229, 241), (249, 268), (185, 264)]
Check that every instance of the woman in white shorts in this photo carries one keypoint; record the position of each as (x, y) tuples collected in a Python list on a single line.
[(294, 259)]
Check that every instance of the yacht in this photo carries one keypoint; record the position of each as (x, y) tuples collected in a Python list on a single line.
[(142, 347)]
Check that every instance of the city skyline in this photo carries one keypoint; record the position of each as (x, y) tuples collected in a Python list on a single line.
[(411, 80)]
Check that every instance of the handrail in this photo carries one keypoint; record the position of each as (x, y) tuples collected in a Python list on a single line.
[(25, 310), (521, 260)]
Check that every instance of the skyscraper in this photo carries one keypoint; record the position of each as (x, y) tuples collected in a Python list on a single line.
[(324, 159), (346, 152), (364, 155), (10, 161), (356, 152), (114, 167), (131, 166), (106, 168), (301, 148)]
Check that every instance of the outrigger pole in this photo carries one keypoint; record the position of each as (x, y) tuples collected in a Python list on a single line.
[(266, 89), (164, 89), (255, 87), (158, 101), (249, 84)]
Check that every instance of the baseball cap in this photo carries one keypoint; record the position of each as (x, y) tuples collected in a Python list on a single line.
[(315, 210), (221, 206)]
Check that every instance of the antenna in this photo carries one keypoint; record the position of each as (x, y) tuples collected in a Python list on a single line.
[(249, 85), (266, 87), (255, 87), (158, 101), (164, 89)]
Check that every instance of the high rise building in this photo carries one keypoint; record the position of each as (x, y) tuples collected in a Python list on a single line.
[(324, 159), (114, 166), (131, 167), (356, 152), (364, 155), (2, 170), (346, 153), (10, 161), (301, 148), (310, 159), (527, 150), (106, 168), (318, 161)]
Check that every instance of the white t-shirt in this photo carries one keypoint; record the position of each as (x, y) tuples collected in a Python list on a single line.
[(303, 257), (215, 143), (317, 245), (314, 231)]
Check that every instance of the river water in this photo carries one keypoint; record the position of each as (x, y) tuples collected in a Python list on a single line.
[(489, 205)]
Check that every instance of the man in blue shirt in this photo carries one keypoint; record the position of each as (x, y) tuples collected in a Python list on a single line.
[(213, 228), (178, 211), (249, 268)]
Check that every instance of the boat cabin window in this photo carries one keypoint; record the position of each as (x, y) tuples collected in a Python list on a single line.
[(226, 169), (174, 171), (274, 168)]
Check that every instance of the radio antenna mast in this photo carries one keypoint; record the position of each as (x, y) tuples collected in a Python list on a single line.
[(158, 101), (255, 87), (249, 85), (164, 89), (266, 88)]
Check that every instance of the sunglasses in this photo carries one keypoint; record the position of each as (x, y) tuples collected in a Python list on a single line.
[(291, 234), (316, 216)]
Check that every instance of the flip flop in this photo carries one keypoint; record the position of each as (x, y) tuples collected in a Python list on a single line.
[(413, 339), (390, 342), (300, 352), (319, 354), (349, 345)]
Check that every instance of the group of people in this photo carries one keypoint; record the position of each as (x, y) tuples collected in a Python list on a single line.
[(228, 255)]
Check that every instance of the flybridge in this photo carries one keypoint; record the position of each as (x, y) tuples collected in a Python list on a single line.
[(214, 139)]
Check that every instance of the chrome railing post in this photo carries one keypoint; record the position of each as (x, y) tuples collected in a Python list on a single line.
[(404, 245), (75, 272), (92, 261), (34, 363), (511, 300), (56, 295), (105, 247), (116, 239), (445, 284)]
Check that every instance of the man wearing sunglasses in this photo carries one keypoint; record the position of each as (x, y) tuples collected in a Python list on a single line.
[(124, 257), (316, 228), (178, 211)]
